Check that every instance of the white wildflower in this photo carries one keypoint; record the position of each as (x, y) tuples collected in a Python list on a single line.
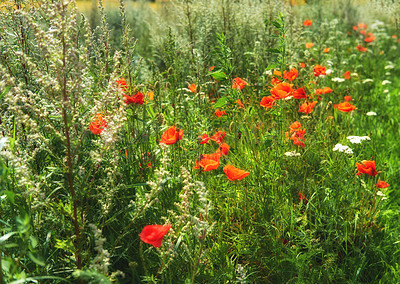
[(357, 139), (268, 72), (292, 154), (367, 81), (330, 63), (329, 72), (354, 74), (380, 193), (385, 82), (371, 113), (386, 91), (336, 79), (390, 66), (3, 142), (343, 148)]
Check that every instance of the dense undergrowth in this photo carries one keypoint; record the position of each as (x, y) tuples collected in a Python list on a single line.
[(226, 123)]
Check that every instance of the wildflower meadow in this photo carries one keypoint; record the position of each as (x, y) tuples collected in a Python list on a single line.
[(207, 141)]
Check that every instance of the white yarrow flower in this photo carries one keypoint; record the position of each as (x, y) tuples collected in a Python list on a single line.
[(329, 72), (292, 154), (380, 193), (367, 81), (371, 113), (357, 139), (336, 79), (343, 148), (385, 82)]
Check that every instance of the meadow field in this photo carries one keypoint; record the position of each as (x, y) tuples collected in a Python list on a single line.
[(208, 141)]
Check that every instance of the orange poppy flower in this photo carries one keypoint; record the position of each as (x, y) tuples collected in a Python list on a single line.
[(291, 75), (363, 32), (154, 234), (355, 28), (208, 165), (307, 108), (319, 70), (135, 99), (268, 102), (192, 88), (307, 23), (309, 44), (302, 65), (347, 98), (299, 94), (275, 81), (344, 107), (382, 184), (394, 36), (325, 90), (171, 135), (218, 137), (298, 137), (326, 50), (367, 167), (347, 75), (98, 124), (223, 149), (239, 103), (238, 83), (278, 73), (362, 26), (361, 48), (204, 138), (121, 83), (295, 126), (211, 68), (219, 113), (234, 173), (282, 90)]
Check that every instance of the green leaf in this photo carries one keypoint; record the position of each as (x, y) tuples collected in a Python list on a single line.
[(218, 75), (150, 111), (221, 102), (276, 24), (10, 195), (273, 50), (6, 237), (36, 258), (271, 66)]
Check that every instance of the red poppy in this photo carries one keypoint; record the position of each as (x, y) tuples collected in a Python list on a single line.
[(362, 26), (309, 44), (171, 135), (219, 113), (282, 90), (363, 32), (307, 23), (344, 107), (218, 137), (307, 108), (298, 137), (211, 68), (295, 126), (302, 65), (238, 83), (234, 173), (154, 234), (275, 81), (302, 197), (370, 37), (204, 139), (192, 88), (121, 83), (98, 124), (326, 50), (208, 165), (382, 184), (223, 149), (278, 73), (319, 70), (291, 75), (268, 102), (239, 103), (355, 28), (361, 48), (299, 94), (135, 99), (325, 90), (346, 75), (367, 167), (347, 98)]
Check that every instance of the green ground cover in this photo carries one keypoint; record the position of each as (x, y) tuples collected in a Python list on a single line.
[(202, 142)]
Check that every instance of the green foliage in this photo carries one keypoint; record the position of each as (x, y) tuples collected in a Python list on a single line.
[(82, 171)]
